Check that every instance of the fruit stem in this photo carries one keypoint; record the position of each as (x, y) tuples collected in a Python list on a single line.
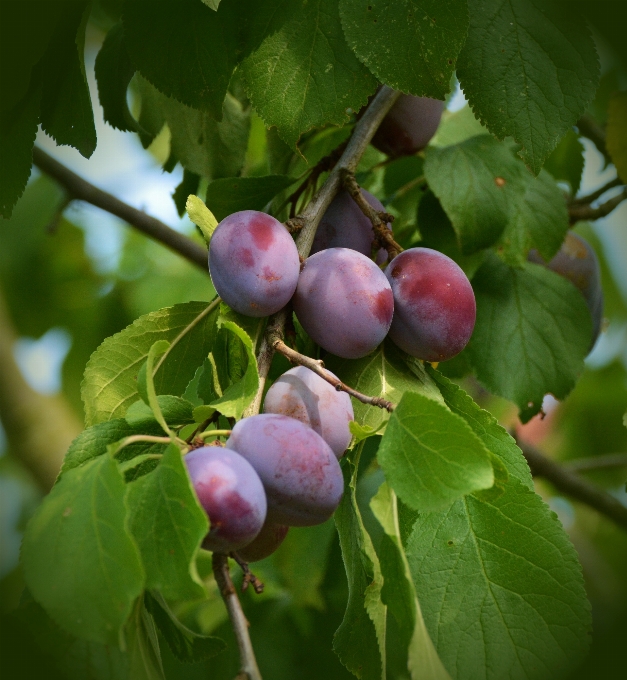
[(248, 662)]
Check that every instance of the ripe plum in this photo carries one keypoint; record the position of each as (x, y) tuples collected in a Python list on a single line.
[(344, 302), (434, 304), (269, 539), (343, 225), (300, 473), (253, 263), (231, 494), (577, 262), (409, 125), (304, 395)]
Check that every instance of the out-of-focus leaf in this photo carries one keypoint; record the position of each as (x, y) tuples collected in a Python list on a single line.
[(226, 196), (566, 161), (383, 32), (529, 69), (79, 559), (617, 133)]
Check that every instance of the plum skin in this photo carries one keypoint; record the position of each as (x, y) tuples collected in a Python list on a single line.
[(409, 125), (344, 302), (344, 225), (434, 304), (254, 263), (268, 540), (232, 495), (577, 262), (302, 394), (300, 474)]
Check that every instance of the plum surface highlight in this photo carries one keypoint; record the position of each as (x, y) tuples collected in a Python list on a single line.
[(301, 476), (302, 394), (232, 495), (344, 302), (434, 304), (253, 262)]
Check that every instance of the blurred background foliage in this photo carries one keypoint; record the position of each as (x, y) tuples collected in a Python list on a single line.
[(71, 275)]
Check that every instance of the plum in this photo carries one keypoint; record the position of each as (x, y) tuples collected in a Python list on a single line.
[(344, 302), (304, 395), (577, 262), (434, 304), (269, 539), (254, 263), (300, 473), (409, 125), (343, 225), (232, 495)]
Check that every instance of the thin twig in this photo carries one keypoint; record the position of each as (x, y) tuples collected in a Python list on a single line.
[(585, 212), (317, 367), (590, 198), (604, 462), (248, 664), (573, 485), (309, 219), (80, 189), (249, 578), (383, 236)]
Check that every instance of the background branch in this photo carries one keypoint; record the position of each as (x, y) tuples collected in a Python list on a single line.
[(248, 664), (80, 189), (590, 198), (604, 462), (585, 212), (572, 485)]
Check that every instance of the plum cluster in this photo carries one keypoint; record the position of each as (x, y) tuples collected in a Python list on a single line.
[(279, 468)]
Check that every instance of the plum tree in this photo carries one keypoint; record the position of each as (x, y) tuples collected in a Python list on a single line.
[(299, 471), (577, 262), (232, 495), (344, 225), (268, 540), (434, 304), (253, 262), (344, 302), (409, 125), (304, 395)]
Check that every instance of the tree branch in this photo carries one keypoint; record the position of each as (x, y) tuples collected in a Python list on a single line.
[(248, 664), (80, 189), (574, 486), (590, 198), (605, 462), (307, 222), (585, 212)]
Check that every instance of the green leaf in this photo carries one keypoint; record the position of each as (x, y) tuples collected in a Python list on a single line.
[(93, 442), (495, 438), (383, 32), (18, 128), (202, 145), (114, 71), (383, 374), (189, 185), (476, 181), (399, 595), (79, 559), (157, 349), (226, 196), (500, 587), (532, 333), (184, 49), (302, 74), (110, 384), (187, 646), (360, 639), (431, 456), (175, 411), (240, 394), (528, 68), (201, 216), (142, 644), (214, 4), (66, 111), (566, 161), (538, 219), (168, 525), (617, 133)]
